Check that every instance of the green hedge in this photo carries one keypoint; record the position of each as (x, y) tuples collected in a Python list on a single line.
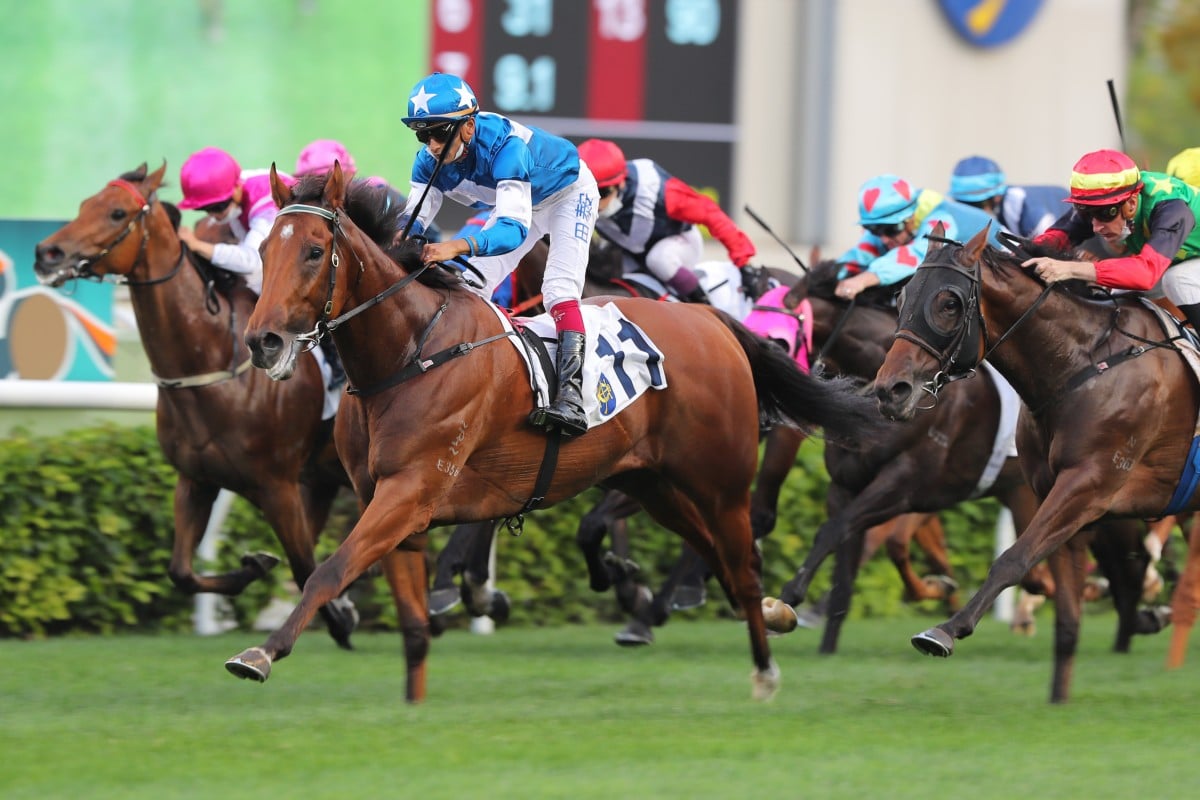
[(87, 530)]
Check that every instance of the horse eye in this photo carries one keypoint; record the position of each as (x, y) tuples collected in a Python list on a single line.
[(315, 253), (118, 214)]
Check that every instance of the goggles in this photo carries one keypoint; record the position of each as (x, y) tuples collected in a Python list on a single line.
[(1101, 213), (437, 133), (891, 229)]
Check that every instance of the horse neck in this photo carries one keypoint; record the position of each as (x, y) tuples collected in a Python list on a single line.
[(180, 336), (1040, 352), (380, 340), (861, 344)]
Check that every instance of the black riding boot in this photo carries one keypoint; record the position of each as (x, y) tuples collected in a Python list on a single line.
[(566, 412), (337, 373), (1192, 314)]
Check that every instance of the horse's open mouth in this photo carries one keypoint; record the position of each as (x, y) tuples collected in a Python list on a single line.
[(285, 365), (55, 277)]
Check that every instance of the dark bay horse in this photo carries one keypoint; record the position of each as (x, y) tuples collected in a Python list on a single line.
[(927, 463), (220, 423), (1110, 409), (437, 439)]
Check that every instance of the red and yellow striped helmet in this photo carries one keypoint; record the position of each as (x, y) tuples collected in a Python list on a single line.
[(1104, 178)]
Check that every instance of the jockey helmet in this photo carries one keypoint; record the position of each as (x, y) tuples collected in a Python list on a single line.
[(317, 157), (1186, 166), (438, 99), (208, 176), (975, 179), (886, 199), (1104, 178), (605, 160)]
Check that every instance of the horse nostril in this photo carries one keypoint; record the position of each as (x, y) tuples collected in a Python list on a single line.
[(270, 342), (48, 254)]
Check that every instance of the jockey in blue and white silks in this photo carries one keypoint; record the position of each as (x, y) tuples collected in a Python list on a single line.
[(896, 219), (1025, 210), (535, 185)]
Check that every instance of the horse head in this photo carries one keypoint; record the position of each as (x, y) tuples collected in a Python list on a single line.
[(941, 335), (325, 250), (107, 237)]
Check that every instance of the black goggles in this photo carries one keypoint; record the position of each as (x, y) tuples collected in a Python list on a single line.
[(437, 133), (216, 208), (608, 190), (1102, 213), (892, 229)]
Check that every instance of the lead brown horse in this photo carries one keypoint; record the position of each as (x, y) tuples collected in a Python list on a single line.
[(220, 423), (1110, 408), (441, 433)]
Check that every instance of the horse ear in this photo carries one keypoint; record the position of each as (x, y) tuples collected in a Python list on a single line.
[(281, 193), (154, 179), (974, 248), (335, 186), (935, 235)]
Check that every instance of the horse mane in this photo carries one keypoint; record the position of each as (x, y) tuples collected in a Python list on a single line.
[(370, 209), (823, 281)]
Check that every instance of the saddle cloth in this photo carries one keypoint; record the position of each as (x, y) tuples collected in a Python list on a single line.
[(620, 362), (1186, 344), (1005, 446)]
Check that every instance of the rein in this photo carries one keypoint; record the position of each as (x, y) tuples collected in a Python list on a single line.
[(325, 326)]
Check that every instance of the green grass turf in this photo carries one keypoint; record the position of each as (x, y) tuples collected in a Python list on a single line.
[(562, 712)]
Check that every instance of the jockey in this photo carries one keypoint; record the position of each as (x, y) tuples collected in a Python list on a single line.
[(1185, 165), (1148, 217), (896, 218), (536, 185), (1024, 210), (318, 156), (650, 215), (213, 183)]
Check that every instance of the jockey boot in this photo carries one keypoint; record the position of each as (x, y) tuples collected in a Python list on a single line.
[(1191, 313), (566, 412), (337, 373), (698, 295)]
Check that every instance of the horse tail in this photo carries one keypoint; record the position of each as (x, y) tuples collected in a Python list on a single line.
[(789, 395)]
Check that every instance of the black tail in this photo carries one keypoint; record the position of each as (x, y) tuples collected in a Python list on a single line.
[(787, 394)]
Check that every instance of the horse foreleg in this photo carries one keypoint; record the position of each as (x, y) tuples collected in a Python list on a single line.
[(445, 594), (1068, 564), (193, 509), (846, 561), (684, 586), (593, 527), (1122, 558), (1184, 601), (779, 456), (479, 590), (387, 520), (406, 573), (1065, 510)]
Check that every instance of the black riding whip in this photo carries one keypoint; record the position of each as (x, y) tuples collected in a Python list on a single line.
[(1116, 107), (767, 228)]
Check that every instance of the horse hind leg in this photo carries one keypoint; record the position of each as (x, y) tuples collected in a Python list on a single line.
[(1185, 600), (720, 533), (193, 510)]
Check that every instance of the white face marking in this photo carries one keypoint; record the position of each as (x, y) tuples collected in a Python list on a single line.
[(286, 232)]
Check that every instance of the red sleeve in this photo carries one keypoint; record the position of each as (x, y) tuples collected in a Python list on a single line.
[(687, 205), (1140, 272), (1053, 237)]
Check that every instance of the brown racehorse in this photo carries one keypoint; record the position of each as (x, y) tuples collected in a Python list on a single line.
[(1110, 408), (437, 439), (220, 423), (928, 463)]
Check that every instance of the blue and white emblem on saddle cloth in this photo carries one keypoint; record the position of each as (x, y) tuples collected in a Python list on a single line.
[(621, 363)]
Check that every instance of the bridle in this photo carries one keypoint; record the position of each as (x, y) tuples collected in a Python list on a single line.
[(325, 325), (83, 269)]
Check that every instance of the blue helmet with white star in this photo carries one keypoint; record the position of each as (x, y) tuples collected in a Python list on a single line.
[(438, 99)]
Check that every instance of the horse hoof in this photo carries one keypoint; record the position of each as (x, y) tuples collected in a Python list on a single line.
[(686, 598), (443, 600), (260, 563), (341, 618), (765, 683), (934, 642), (253, 664), (1153, 619), (635, 634), (778, 616), (501, 607)]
